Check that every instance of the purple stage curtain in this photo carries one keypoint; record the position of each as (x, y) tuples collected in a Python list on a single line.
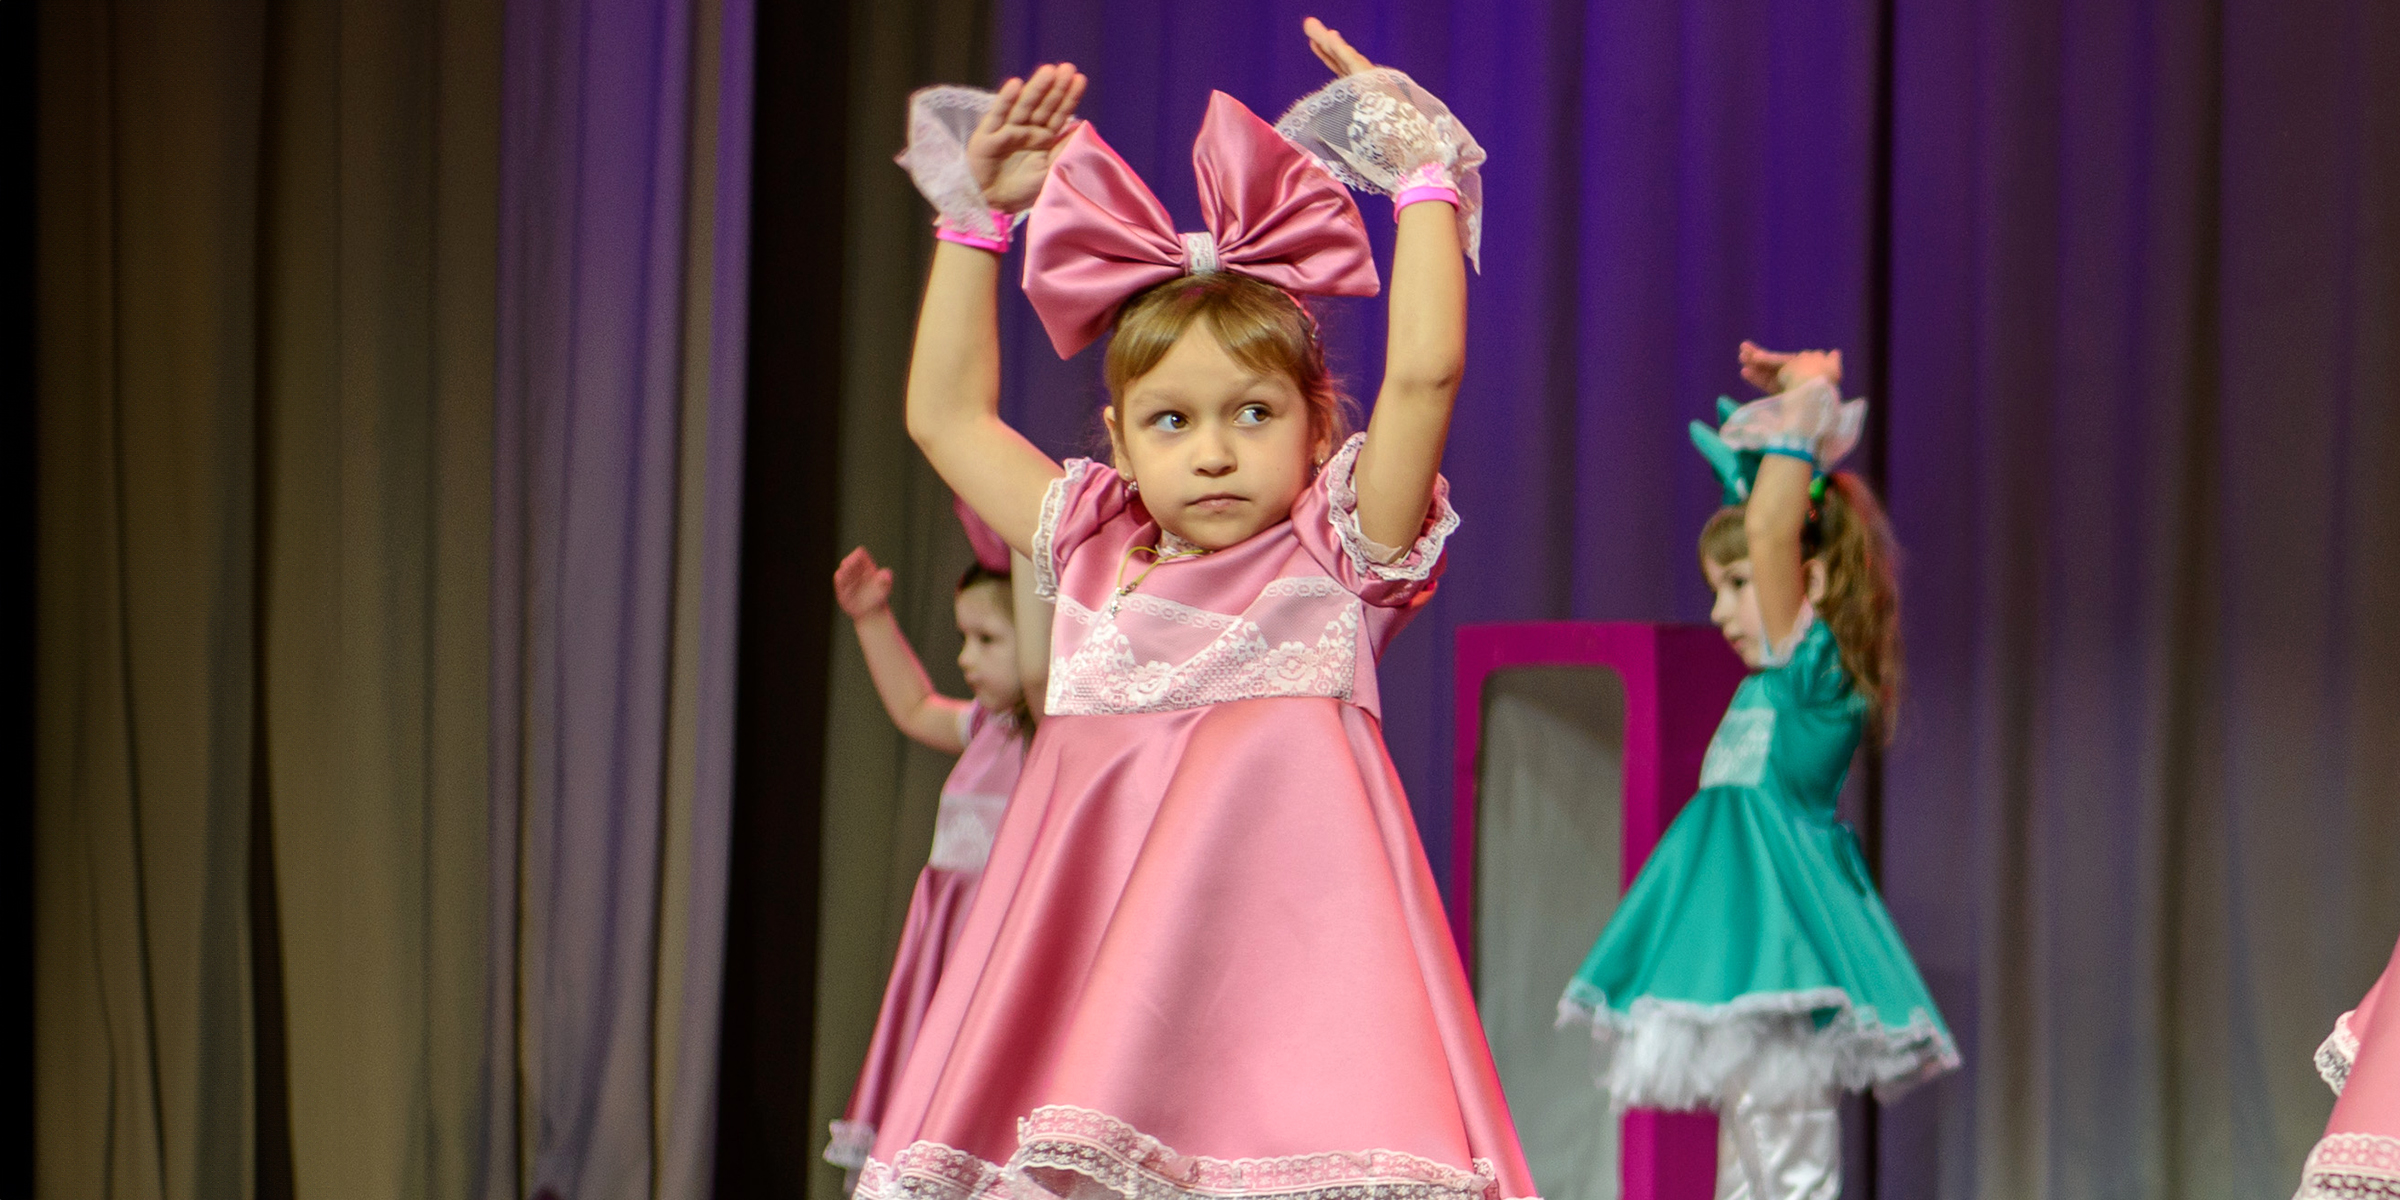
[(623, 223), (2146, 799)]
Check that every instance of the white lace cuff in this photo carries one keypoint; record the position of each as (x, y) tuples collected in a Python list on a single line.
[(1375, 130), (1372, 558), (1810, 421), (2336, 1053), (1054, 506), (939, 120), (851, 1142)]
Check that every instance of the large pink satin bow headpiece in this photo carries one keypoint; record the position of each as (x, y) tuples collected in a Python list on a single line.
[(1098, 235)]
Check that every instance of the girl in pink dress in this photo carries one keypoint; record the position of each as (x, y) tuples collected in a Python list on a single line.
[(2359, 1156), (1208, 959), (988, 734)]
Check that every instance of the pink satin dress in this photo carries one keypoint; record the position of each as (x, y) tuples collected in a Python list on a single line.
[(1208, 959), (2359, 1156), (973, 797)]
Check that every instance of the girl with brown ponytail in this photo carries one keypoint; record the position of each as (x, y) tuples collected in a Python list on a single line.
[(1751, 967)]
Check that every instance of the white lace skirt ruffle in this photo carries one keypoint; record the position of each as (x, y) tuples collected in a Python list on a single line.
[(2351, 1166), (1674, 1055), (1064, 1151)]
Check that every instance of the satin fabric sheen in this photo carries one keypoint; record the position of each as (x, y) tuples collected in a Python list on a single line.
[(989, 765), (1208, 956), (1098, 234), (1212, 997), (2370, 1101), (1792, 1152)]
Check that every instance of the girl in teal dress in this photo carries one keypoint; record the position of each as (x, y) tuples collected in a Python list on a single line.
[(1751, 967)]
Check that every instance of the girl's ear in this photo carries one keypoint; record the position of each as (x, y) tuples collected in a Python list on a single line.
[(1816, 581), (1116, 438)]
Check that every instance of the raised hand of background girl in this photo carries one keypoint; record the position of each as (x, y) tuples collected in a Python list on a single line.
[(860, 586), (1772, 371), (1009, 152), (1332, 50)]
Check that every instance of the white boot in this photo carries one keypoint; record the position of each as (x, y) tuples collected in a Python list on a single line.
[(1793, 1152)]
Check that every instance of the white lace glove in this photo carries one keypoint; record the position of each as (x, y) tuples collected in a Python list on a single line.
[(1810, 421), (940, 119), (1377, 131)]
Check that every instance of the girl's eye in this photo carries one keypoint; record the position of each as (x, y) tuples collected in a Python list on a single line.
[(1169, 421), (1253, 414)]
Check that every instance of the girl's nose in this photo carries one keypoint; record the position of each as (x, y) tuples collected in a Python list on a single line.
[(1213, 455)]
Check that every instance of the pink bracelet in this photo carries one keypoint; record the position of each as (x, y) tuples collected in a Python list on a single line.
[(1422, 193), (1431, 181), (943, 230)]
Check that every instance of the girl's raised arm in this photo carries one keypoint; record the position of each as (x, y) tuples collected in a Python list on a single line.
[(954, 370), (1422, 362), (1427, 351), (1776, 515), (864, 591)]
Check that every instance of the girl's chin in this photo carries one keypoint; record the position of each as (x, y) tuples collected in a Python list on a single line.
[(1219, 534)]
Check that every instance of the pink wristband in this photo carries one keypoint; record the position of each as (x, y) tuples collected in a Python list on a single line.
[(1422, 193), (1431, 181), (943, 230)]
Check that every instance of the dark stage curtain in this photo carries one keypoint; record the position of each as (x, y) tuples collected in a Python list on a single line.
[(390, 407), (879, 790), (264, 378)]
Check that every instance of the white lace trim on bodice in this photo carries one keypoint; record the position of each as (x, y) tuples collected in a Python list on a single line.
[(964, 829), (1105, 674)]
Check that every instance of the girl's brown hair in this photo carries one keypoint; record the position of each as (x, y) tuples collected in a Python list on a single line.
[(1261, 327), (1861, 602), (976, 575)]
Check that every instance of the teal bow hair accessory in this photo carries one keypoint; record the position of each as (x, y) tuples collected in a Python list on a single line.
[(1737, 469)]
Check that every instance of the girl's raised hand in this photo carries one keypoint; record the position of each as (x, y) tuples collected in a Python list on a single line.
[(1770, 371), (1010, 150), (1332, 50), (860, 586)]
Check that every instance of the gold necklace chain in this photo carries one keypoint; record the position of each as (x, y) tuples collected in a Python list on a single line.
[(1158, 558)]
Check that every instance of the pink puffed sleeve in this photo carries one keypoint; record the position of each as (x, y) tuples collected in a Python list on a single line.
[(1326, 521), (1078, 503)]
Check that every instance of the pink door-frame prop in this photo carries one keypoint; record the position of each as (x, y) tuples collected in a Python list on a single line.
[(1678, 680)]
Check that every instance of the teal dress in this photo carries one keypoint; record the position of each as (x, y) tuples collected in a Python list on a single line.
[(1752, 954)]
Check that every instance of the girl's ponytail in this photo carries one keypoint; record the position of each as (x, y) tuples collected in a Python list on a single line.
[(1861, 604)]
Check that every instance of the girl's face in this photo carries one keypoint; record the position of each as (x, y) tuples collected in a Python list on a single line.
[(989, 656), (1736, 610), (1220, 452)]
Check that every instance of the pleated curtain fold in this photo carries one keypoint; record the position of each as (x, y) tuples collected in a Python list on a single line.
[(389, 372)]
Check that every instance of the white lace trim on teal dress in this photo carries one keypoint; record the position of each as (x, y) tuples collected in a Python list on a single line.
[(1674, 1054)]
